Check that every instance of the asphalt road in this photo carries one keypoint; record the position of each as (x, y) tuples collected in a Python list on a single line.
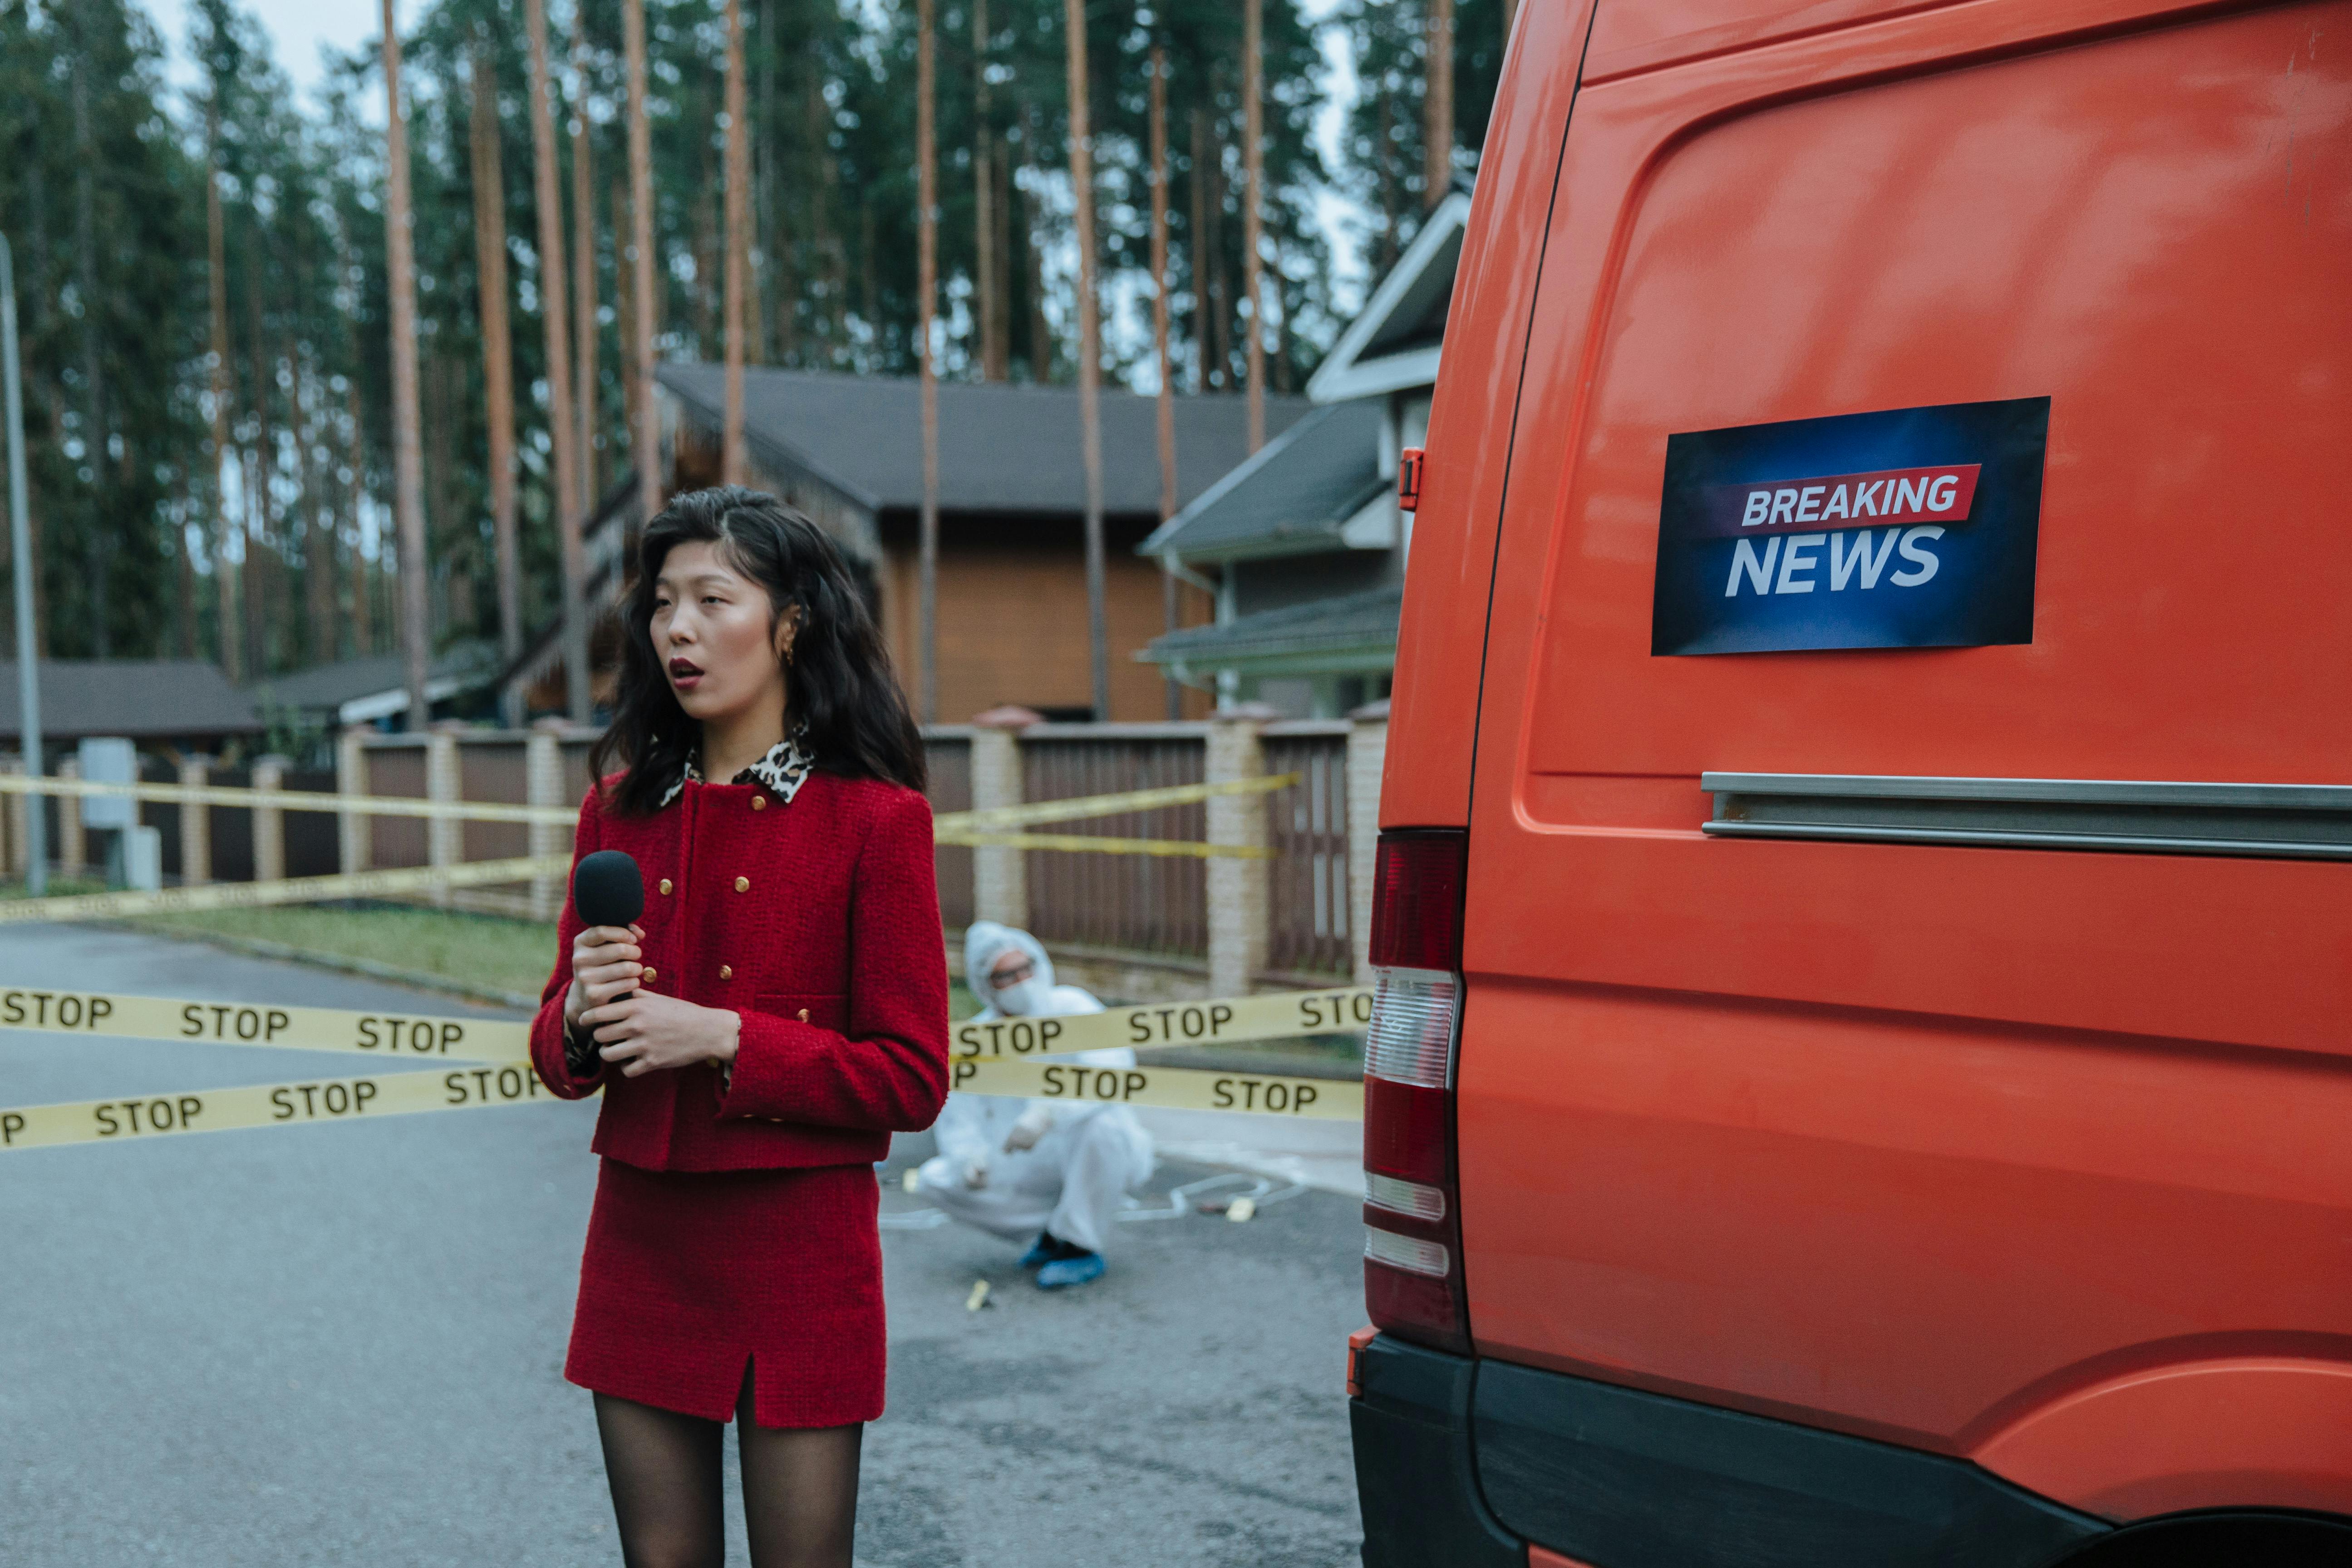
[(344, 1343)]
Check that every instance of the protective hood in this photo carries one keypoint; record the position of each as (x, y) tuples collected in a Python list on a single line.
[(1036, 997), (983, 941)]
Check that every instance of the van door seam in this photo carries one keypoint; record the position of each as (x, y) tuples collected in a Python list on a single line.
[(1518, 394)]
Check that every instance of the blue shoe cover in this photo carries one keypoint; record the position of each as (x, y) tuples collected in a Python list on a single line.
[(1043, 1250), (1064, 1272)]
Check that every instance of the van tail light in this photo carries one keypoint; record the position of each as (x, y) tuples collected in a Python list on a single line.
[(1412, 1225)]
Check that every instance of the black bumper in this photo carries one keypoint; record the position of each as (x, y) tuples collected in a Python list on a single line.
[(1460, 1462)]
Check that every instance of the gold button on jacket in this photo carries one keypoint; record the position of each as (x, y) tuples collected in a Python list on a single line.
[(726, 972), (665, 884), (743, 884)]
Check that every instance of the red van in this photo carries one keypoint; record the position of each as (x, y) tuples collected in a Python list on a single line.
[(1863, 1069)]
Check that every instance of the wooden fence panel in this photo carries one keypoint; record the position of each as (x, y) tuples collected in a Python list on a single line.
[(313, 846), (232, 829), (1142, 903), (1307, 827), (949, 759), (493, 770), (394, 842)]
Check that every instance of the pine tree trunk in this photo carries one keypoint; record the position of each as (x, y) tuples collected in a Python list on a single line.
[(318, 548), (1167, 398), (869, 281), (706, 316), (1437, 105), (927, 242), (1196, 250), (1040, 331), (1000, 240), (1253, 211), (645, 435), (734, 462), (408, 456), (1220, 285), (362, 591), (553, 319), (1082, 190), (96, 433), (224, 568), (261, 461), (584, 287), (625, 302), (824, 242), (984, 215), (1385, 253), (1282, 334), (497, 356), (776, 291)]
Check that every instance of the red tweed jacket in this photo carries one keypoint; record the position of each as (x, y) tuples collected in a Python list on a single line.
[(818, 920)]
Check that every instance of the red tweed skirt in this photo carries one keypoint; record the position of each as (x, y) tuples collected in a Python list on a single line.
[(689, 1277)]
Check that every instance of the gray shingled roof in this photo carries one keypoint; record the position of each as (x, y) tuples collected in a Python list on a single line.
[(146, 700), (1002, 447), (1293, 498), (1349, 631), (330, 686)]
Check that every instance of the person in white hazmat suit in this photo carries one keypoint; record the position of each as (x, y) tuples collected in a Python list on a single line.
[(1046, 1171)]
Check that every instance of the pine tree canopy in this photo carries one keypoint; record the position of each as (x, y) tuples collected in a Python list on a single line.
[(200, 263)]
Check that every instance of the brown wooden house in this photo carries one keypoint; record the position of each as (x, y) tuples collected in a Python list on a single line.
[(847, 450)]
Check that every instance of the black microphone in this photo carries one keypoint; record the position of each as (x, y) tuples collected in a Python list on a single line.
[(607, 889)]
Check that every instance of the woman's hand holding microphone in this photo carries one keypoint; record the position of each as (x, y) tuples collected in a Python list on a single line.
[(640, 1031)]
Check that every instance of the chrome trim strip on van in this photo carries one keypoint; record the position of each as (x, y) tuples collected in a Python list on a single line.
[(2309, 821)]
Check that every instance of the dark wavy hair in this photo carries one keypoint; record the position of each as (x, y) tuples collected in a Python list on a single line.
[(843, 687)]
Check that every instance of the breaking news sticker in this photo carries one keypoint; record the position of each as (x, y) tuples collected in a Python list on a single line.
[(1906, 527)]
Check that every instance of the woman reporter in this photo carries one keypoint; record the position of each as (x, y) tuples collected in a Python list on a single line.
[(779, 1010)]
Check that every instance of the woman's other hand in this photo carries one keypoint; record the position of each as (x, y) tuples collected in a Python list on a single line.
[(650, 1032), (605, 963)]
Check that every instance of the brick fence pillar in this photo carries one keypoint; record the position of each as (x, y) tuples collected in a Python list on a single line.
[(444, 835), (269, 821), (195, 823), (71, 861), (1000, 877), (1239, 889), (543, 785), (351, 828), (1368, 750)]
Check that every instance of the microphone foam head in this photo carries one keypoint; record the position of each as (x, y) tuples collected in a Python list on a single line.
[(606, 890)]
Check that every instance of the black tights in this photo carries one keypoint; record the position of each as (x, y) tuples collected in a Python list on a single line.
[(800, 1486)]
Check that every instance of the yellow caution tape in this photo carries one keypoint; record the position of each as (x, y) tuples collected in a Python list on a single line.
[(297, 800), (128, 1118), (1006, 816), (950, 827), (294, 890), (407, 1035), (1016, 1056), (1282, 1016), (1086, 843), (1168, 1088), (440, 1036)]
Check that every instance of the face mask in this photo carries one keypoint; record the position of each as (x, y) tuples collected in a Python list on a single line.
[(1021, 998)]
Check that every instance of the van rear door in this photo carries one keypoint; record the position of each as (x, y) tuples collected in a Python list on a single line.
[(1910, 1138)]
